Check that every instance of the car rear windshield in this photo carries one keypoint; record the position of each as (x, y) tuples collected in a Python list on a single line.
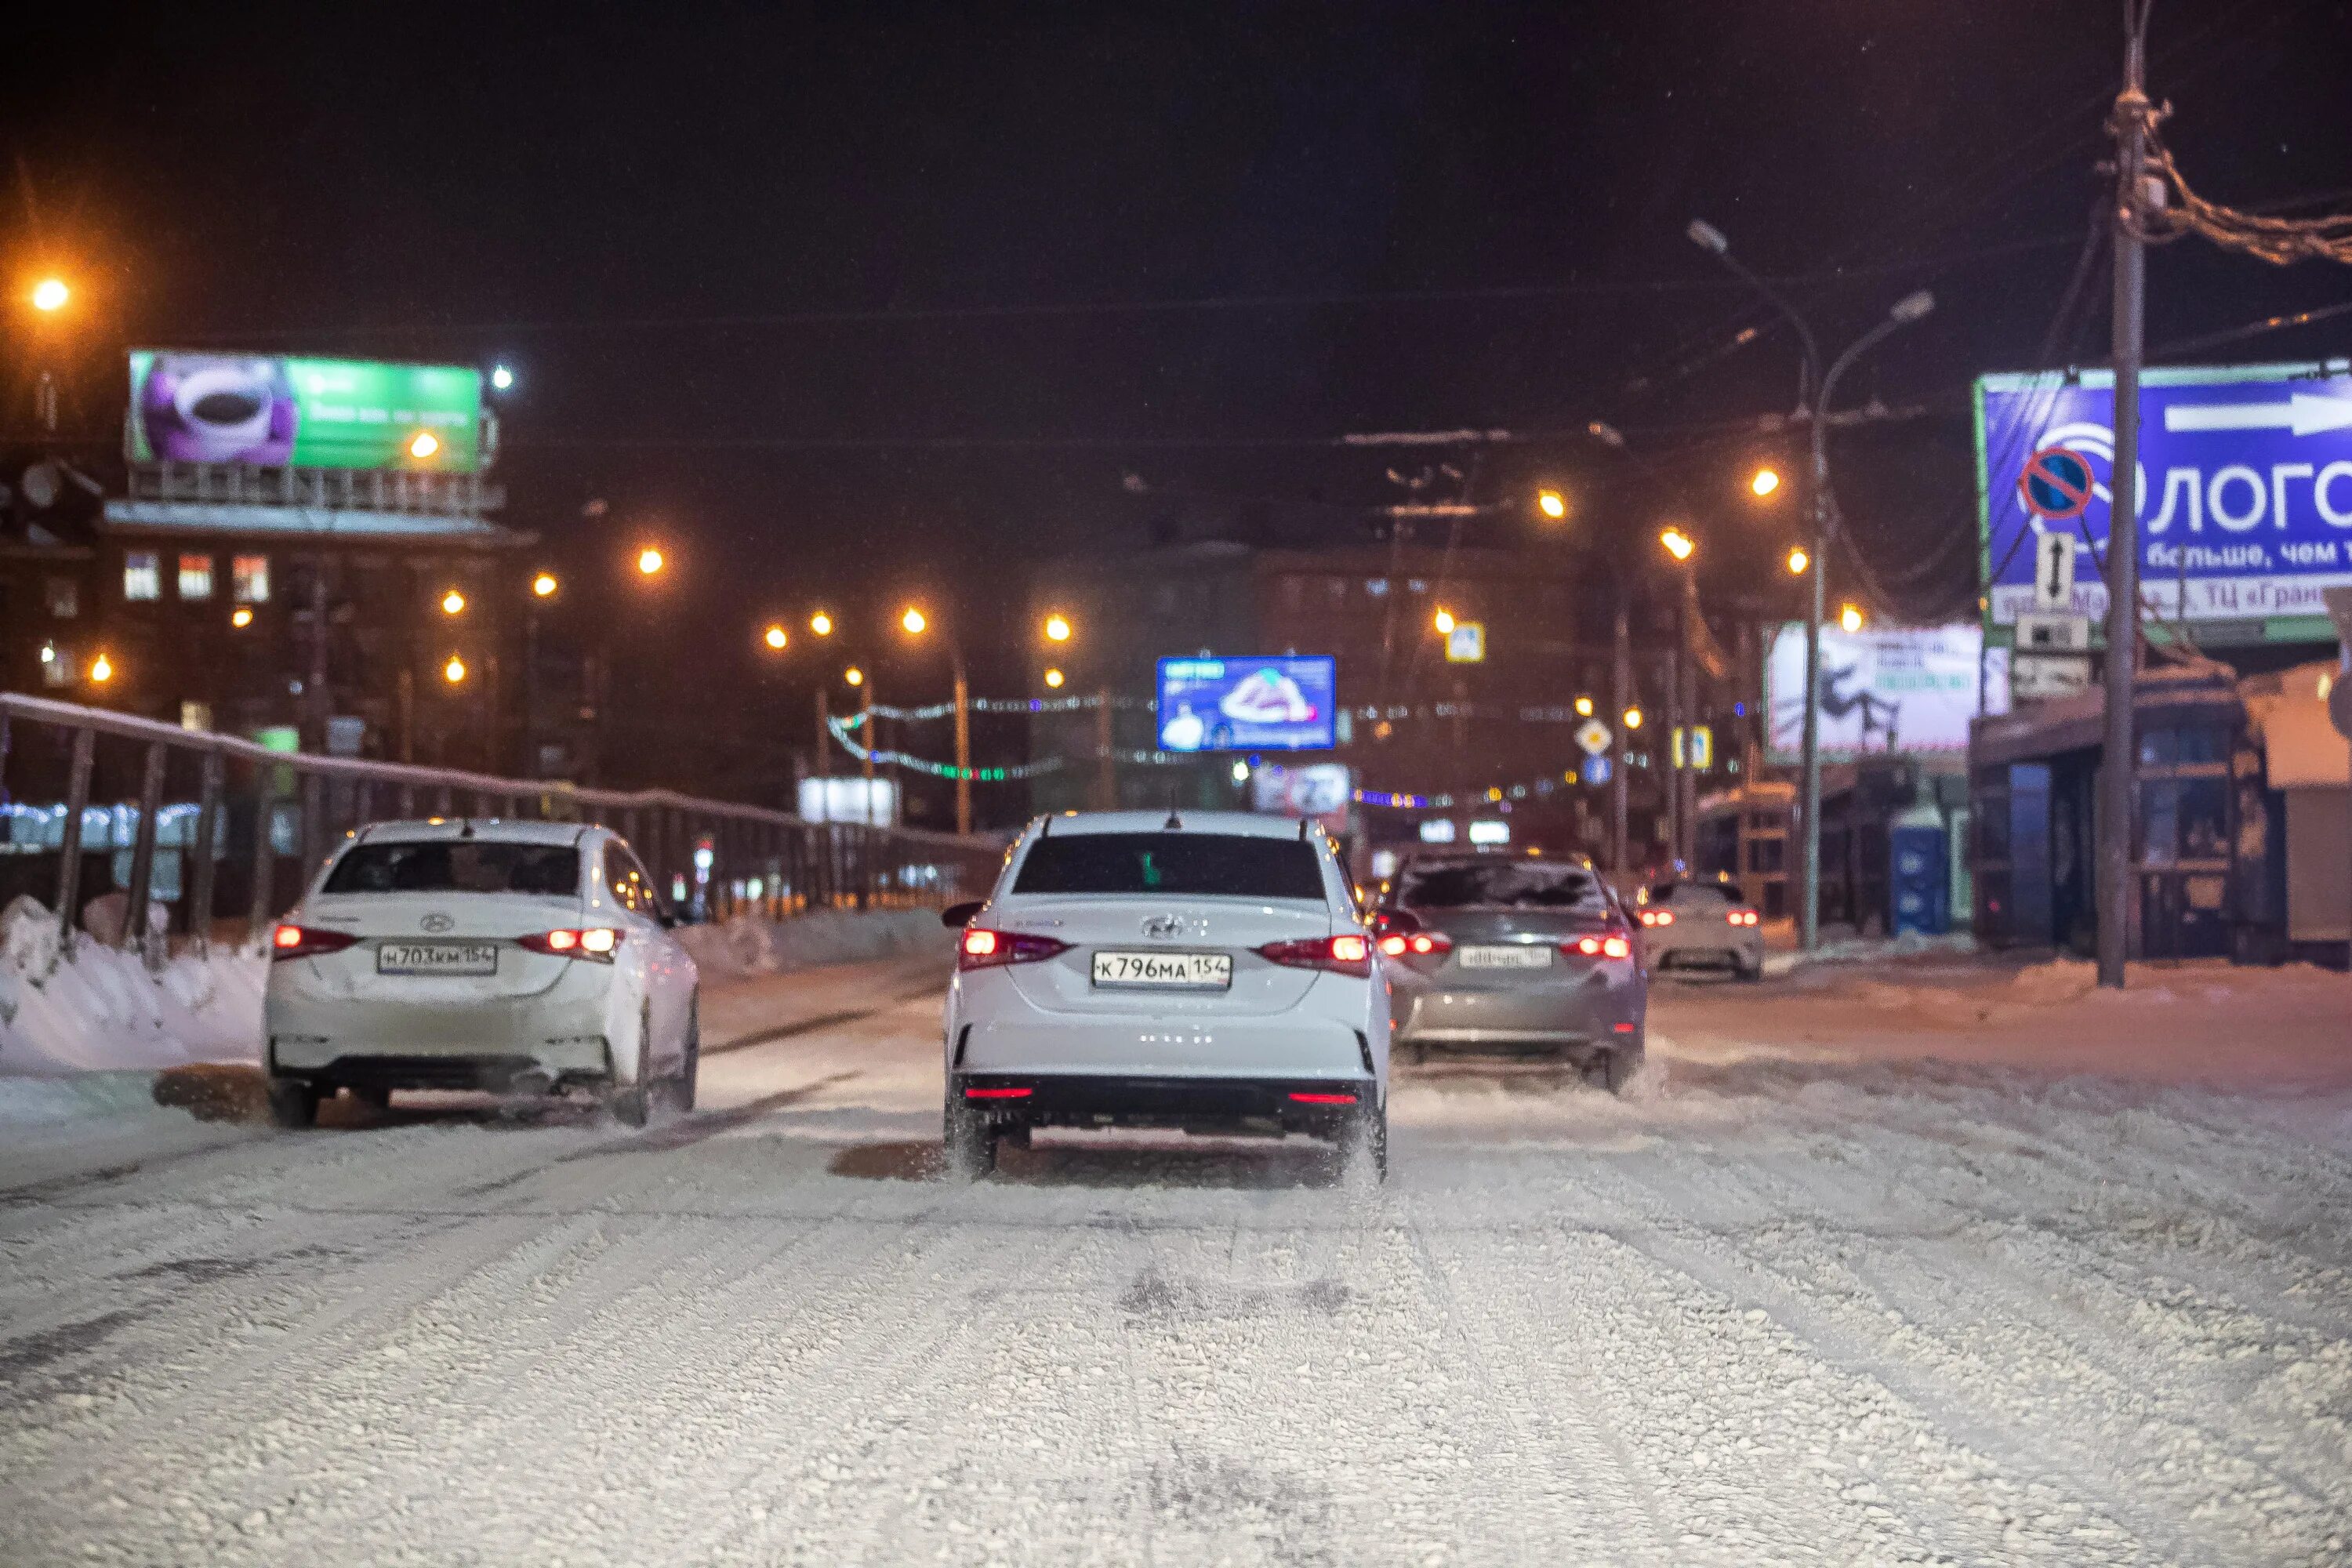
[(1172, 864), (1693, 893), (1503, 885), (458, 866)]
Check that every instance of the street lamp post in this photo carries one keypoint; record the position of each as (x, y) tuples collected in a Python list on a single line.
[(916, 624), (1818, 385)]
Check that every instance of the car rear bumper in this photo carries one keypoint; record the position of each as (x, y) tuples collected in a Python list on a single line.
[(1536, 1016), (1741, 952), (1025, 1039), (566, 1040), (1198, 1104)]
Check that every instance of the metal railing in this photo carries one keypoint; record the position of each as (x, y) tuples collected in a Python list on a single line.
[(255, 808)]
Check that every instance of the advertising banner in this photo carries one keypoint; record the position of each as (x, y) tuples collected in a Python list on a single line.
[(263, 411), (1324, 790), (1906, 689), (2245, 492), (1279, 703)]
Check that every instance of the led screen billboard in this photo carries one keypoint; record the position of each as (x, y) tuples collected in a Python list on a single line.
[(1905, 688), (267, 411), (1276, 703)]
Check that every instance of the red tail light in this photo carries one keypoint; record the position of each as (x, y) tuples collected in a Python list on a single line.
[(1349, 952), (1324, 1099), (998, 1093), (1598, 947), (985, 948), (306, 942), (1742, 917), (1420, 944), (594, 943), (1657, 917)]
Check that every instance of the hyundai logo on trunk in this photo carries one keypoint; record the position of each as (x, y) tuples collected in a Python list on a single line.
[(1164, 927), (436, 923)]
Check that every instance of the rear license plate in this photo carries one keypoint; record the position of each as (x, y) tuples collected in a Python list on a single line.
[(1167, 970), (1519, 955), (436, 958)]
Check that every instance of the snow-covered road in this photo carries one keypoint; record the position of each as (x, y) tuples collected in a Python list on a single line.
[(1809, 1306)]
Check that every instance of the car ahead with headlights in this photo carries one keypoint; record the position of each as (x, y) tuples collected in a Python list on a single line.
[(1700, 925), (1203, 971), (1515, 953), (517, 957)]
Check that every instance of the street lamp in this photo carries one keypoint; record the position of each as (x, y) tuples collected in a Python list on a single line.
[(543, 586), (774, 636), (1678, 544), (241, 617), (501, 378), (1552, 505), (854, 676), (1849, 617), (424, 445), (1814, 399), (1584, 707), (820, 624), (50, 296), (452, 602), (1765, 481), (1632, 718), (102, 669), (650, 562), (1798, 561), (454, 672), (916, 623), (1443, 622), (1057, 628), (1054, 679)]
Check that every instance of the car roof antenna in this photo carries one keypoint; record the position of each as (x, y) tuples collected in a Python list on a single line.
[(1174, 821), (465, 827)]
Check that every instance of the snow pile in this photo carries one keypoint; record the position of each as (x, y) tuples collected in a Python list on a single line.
[(100, 1008), (749, 945)]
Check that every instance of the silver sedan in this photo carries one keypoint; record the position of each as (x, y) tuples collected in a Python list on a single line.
[(1515, 953)]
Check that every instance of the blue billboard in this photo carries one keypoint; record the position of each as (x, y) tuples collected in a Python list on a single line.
[(2245, 492), (1279, 703)]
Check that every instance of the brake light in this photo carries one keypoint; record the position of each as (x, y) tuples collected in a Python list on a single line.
[(594, 943), (985, 948), (1657, 917), (1349, 952), (998, 1093), (1616, 947), (1599, 947), (1324, 1099), (1420, 944), (304, 942), (1742, 917)]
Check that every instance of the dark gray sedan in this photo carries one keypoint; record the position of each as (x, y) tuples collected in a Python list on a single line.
[(1518, 953)]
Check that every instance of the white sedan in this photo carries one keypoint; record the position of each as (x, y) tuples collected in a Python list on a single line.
[(1700, 924), (1205, 971), (518, 957)]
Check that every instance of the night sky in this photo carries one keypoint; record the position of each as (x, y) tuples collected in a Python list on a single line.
[(839, 301)]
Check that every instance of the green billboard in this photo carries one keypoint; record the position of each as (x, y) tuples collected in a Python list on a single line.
[(269, 411)]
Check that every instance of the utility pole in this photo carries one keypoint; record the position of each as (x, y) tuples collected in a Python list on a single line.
[(1686, 776), (1620, 698), (962, 743), (1674, 738), (2119, 780)]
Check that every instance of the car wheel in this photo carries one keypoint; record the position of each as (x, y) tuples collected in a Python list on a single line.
[(293, 1102), (971, 1142), (691, 1073), (1364, 1146), (1750, 973), (1618, 1068)]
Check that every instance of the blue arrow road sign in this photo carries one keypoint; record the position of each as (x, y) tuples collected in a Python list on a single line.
[(2245, 494)]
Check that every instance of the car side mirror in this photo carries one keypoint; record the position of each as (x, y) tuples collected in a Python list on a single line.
[(1395, 923), (955, 917)]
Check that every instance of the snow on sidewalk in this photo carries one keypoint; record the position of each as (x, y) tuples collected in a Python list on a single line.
[(99, 1008)]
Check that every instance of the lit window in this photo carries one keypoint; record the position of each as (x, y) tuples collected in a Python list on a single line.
[(142, 575), (57, 665), (250, 579), (196, 577), (64, 597)]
